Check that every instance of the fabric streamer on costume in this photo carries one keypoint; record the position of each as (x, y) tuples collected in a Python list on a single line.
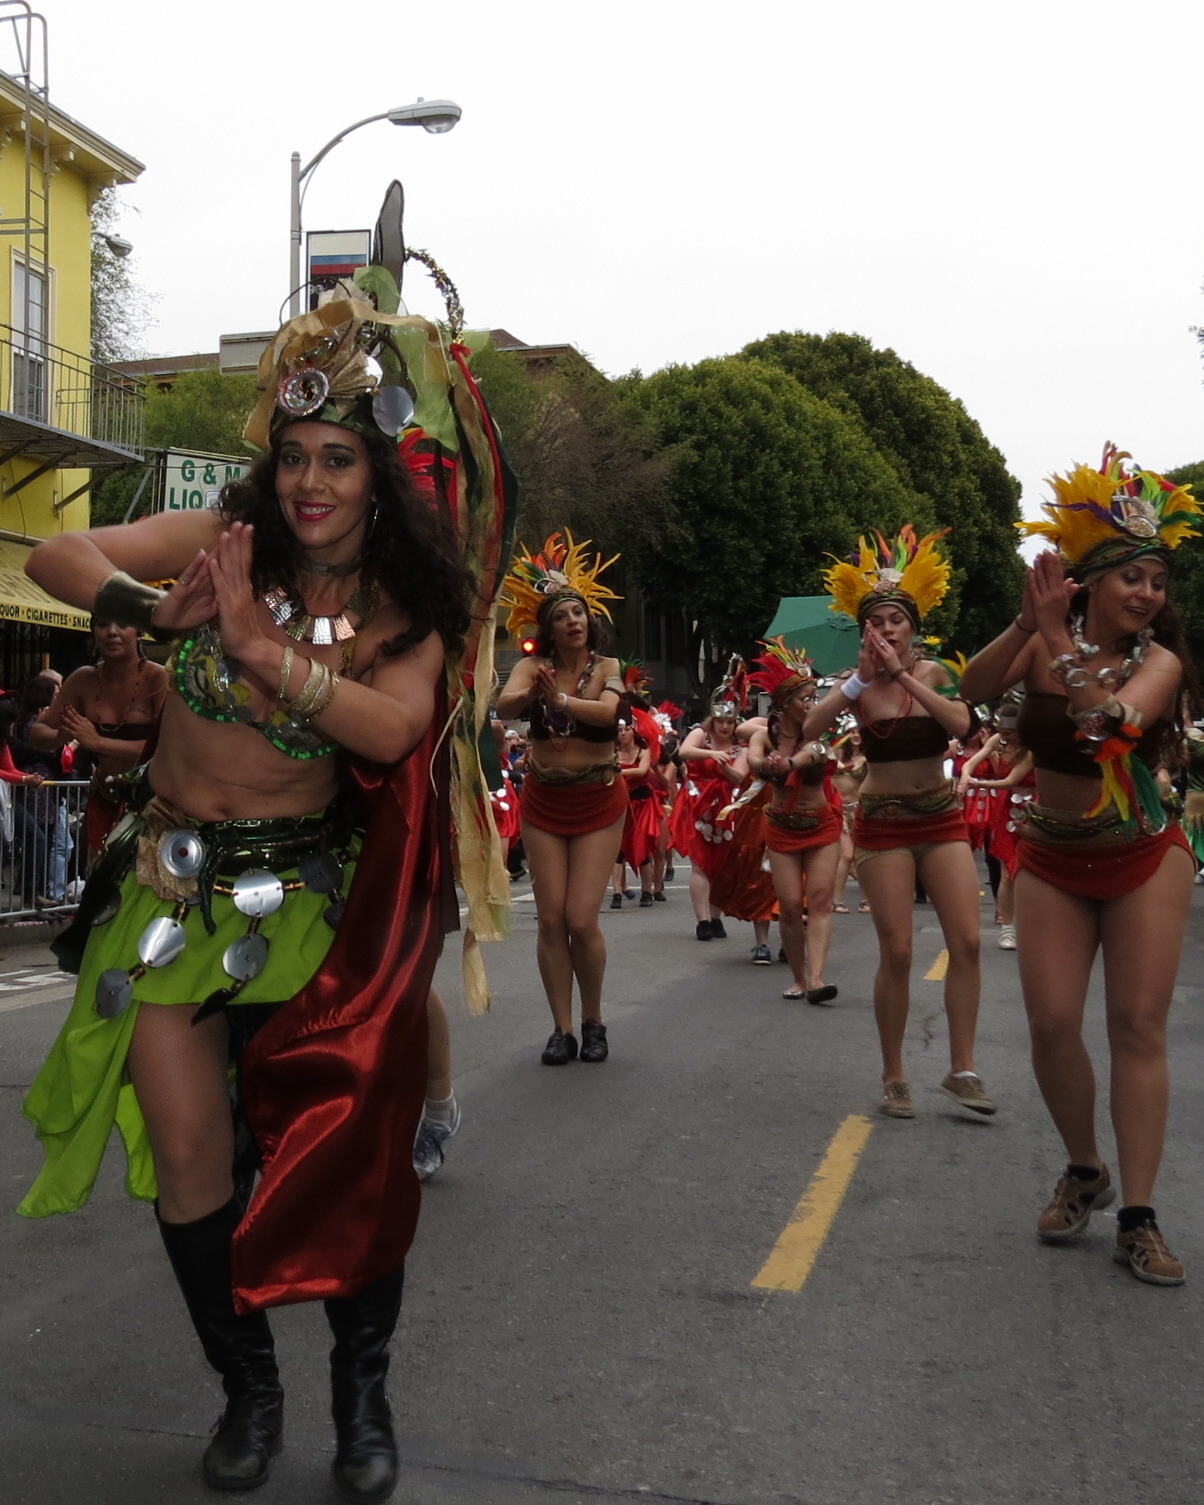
[(336, 1079)]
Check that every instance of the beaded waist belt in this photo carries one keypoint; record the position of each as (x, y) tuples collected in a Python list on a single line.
[(1043, 823), (596, 773), (907, 806), (791, 820)]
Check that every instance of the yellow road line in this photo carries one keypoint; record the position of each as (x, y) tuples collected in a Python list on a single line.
[(936, 973), (797, 1249)]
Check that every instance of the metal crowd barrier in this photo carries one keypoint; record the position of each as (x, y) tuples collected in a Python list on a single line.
[(42, 850)]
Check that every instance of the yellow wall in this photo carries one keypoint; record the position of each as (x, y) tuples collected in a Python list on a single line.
[(69, 326)]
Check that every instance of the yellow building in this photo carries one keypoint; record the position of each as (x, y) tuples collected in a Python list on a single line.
[(63, 419)]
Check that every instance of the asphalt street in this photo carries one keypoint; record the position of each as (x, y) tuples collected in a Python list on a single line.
[(583, 1322)]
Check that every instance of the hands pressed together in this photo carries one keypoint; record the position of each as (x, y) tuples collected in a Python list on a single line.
[(216, 584)]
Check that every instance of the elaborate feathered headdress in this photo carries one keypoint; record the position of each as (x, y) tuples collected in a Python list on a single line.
[(732, 695), (667, 716), (635, 676), (342, 363), (783, 670), (1100, 518), (560, 570), (908, 572)]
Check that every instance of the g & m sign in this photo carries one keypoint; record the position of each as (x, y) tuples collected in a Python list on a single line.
[(191, 482)]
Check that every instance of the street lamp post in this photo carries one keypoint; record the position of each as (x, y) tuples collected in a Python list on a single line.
[(434, 115)]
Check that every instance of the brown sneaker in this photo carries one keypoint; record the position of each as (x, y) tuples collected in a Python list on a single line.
[(970, 1093), (1144, 1250), (896, 1100), (1073, 1202)]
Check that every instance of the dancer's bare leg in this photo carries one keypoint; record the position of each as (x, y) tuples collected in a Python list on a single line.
[(590, 859), (950, 880), (888, 880), (180, 1078), (548, 864), (1142, 942)]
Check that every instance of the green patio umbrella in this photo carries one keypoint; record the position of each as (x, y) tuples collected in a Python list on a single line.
[(831, 639)]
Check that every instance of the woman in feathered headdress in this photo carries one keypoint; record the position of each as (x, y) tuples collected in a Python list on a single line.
[(909, 822), (801, 828), (1103, 861), (714, 765), (318, 615), (574, 800)]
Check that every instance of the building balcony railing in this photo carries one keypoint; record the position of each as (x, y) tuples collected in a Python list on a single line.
[(59, 393)]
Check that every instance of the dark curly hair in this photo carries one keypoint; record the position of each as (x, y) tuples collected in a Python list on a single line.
[(411, 549), (596, 638)]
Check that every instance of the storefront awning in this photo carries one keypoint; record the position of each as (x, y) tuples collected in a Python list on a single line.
[(23, 601)]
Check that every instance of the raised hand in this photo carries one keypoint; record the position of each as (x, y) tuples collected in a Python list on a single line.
[(234, 596), (1048, 594), (190, 601)]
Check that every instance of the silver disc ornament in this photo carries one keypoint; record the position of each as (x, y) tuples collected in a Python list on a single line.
[(246, 957), (321, 872), (182, 853), (303, 393), (161, 942), (114, 992), (257, 893)]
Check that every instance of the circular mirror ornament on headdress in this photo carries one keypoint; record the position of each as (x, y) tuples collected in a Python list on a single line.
[(392, 409), (303, 393)]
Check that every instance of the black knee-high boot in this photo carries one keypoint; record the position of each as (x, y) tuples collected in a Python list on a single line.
[(365, 1465), (240, 1348)]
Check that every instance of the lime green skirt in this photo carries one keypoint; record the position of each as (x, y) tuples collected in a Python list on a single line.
[(83, 1088)]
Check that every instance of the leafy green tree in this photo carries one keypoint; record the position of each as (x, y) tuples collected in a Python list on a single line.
[(767, 480), (582, 456), (936, 449), (1187, 580), (203, 412)]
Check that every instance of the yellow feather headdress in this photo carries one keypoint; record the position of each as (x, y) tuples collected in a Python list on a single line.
[(1100, 518), (560, 569), (907, 572)]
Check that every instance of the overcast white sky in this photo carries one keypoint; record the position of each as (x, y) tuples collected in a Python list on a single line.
[(1006, 195)]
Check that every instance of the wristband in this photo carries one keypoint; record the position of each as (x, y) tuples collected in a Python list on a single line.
[(122, 599), (852, 687)]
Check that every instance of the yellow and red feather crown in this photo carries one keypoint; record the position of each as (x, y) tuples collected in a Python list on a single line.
[(1115, 511), (559, 568), (906, 566)]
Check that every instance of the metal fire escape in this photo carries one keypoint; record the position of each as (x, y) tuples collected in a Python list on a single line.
[(59, 409)]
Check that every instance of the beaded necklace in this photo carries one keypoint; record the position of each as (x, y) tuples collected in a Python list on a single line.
[(1070, 669), (560, 723)]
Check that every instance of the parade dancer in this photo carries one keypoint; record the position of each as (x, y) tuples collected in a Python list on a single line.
[(802, 829), (1104, 865), (909, 822), (315, 615), (702, 820), (574, 800), (1001, 774)]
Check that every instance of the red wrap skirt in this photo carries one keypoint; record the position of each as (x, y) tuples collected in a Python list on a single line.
[(572, 809), (642, 827), (1099, 873), (741, 885), (823, 833), (888, 833)]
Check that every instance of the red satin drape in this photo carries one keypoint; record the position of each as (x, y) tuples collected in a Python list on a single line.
[(334, 1082)]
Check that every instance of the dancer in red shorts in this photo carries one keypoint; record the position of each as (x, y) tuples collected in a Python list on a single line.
[(802, 829), (909, 822), (573, 801), (1103, 865)]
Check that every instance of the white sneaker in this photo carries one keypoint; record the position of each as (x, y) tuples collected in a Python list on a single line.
[(429, 1142), (1007, 938)]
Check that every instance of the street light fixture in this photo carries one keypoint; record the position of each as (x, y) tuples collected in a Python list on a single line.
[(437, 116), (118, 245)]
